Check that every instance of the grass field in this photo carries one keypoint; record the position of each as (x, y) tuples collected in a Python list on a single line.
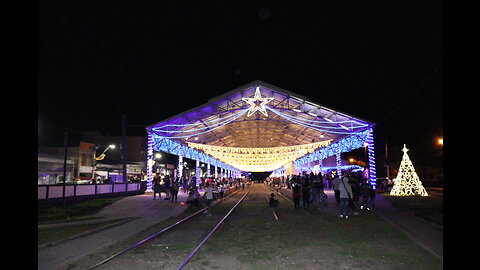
[(252, 239), (75, 211), (429, 208)]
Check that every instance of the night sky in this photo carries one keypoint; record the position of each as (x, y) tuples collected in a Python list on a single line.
[(378, 60)]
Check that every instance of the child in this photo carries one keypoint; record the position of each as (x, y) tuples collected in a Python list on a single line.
[(190, 197), (272, 202)]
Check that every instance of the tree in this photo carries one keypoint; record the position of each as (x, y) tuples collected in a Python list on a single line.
[(407, 182)]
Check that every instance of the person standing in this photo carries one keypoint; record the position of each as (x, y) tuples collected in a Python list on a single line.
[(305, 195), (166, 183), (196, 196), (222, 191), (296, 196), (174, 191), (209, 197), (365, 190), (156, 186), (345, 194)]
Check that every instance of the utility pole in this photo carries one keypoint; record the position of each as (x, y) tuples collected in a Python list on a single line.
[(124, 150), (386, 160), (65, 141)]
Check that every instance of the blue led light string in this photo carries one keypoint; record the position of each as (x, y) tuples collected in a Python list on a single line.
[(344, 145), (173, 147)]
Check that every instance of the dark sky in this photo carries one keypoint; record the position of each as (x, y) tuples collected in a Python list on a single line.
[(378, 60)]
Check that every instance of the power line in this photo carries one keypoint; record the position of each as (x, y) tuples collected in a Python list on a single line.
[(413, 94)]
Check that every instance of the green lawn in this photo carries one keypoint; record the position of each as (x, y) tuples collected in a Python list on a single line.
[(74, 211), (429, 208), (57, 233), (252, 239), (366, 242)]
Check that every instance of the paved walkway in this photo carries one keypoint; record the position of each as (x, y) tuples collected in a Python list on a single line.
[(424, 233), (143, 211)]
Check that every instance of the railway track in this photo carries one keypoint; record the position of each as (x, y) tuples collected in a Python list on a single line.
[(230, 202)]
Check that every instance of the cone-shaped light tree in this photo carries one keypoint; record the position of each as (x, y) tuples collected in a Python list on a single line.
[(407, 182)]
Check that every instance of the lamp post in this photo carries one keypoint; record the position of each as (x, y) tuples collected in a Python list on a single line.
[(159, 156)]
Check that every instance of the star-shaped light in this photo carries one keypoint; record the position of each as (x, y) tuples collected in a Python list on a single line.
[(257, 103)]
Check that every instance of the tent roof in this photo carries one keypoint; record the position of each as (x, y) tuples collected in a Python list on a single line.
[(258, 130)]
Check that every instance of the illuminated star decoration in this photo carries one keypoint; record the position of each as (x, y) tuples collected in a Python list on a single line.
[(257, 103)]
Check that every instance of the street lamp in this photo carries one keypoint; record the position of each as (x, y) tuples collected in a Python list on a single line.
[(159, 156), (100, 157), (440, 141)]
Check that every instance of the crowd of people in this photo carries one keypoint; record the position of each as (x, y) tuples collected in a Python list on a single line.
[(353, 192), (213, 188)]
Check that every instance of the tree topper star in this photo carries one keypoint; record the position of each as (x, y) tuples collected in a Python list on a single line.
[(257, 103)]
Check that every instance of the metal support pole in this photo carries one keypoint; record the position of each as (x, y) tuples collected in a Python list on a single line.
[(149, 161), (371, 159), (339, 162)]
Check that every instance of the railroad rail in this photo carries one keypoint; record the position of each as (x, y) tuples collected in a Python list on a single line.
[(177, 223)]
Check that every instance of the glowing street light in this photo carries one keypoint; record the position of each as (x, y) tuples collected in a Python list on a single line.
[(440, 141)]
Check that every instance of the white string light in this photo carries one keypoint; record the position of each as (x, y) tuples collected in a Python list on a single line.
[(258, 159)]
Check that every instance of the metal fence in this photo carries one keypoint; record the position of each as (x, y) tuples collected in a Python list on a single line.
[(56, 191)]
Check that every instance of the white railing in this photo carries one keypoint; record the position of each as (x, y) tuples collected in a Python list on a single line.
[(56, 191)]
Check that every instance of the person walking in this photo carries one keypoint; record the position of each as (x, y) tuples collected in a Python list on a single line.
[(365, 191), (345, 194), (335, 183)]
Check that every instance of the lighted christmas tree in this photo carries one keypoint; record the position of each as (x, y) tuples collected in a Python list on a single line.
[(407, 182)]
